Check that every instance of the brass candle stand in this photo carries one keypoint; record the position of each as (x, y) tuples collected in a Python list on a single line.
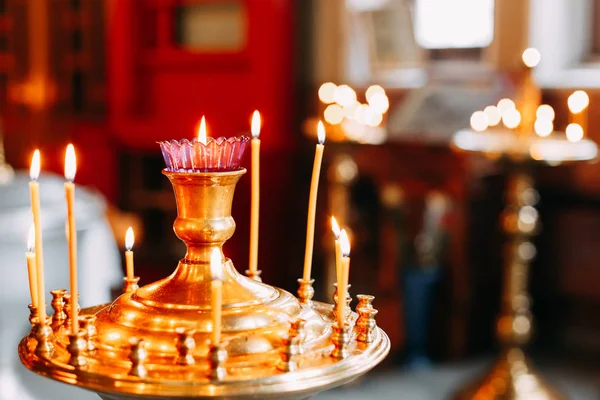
[(153, 341), (512, 376)]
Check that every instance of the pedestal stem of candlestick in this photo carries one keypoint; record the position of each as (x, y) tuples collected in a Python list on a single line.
[(520, 223)]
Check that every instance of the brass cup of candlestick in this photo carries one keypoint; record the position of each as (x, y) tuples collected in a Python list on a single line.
[(340, 339), (217, 356), (306, 291), (131, 284), (58, 305), (347, 308), (45, 341), (88, 326), (254, 275), (76, 348), (33, 320)]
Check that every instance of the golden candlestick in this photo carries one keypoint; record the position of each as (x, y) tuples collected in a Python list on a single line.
[(139, 348)]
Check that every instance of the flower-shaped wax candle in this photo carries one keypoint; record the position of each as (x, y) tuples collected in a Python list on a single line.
[(204, 154)]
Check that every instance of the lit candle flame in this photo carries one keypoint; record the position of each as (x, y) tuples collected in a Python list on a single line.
[(255, 126), (202, 131), (216, 265), (531, 57), (344, 243), (34, 170), (335, 227), (31, 239), (129, 239), (70, 163), (321, 132)]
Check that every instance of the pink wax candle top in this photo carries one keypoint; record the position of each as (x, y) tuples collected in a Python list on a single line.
[(204, 154)]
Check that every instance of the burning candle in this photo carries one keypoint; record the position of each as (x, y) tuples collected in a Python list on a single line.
[(578, 103), (30, 256), (312, 202), (216, 294), (129, 239), (338, 250), (34, 189), (343, 278), (70, 170), (202, 131), (255, 193)]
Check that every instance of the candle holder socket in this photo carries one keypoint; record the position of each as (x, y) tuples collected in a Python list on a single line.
[(306, 291), (217, 355), (186, 344), (76, 348), (58, 305), (292, 347), (364, 301), (87, 324), (347, 309), (67, 309), (340, 339), (131, 284), (366, 324), (138, 355), (45, 341), (254, 275), (33, 320)]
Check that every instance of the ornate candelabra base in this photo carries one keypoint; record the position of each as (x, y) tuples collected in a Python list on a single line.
[(511, 378)]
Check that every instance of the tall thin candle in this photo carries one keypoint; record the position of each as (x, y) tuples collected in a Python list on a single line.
[(70, 170), (129, 238), (312, 202), (338, 250), (344, 275), (216, 294), (34, 188), (30, 256), (255, 194)]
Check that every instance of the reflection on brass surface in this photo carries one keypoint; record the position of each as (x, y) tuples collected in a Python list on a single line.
[(341, 340), (140, 351), (306, 291), (58, 305)]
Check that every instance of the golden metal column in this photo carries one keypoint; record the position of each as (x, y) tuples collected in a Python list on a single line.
[(512, 376)]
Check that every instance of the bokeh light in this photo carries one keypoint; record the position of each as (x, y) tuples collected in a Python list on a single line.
[(545, 112), (372, 91), (511, 118), (505, 104), (334, 114), (327, 92), (479, 121), (574, 132), (344, 95), (543, 127), (493, 115), (531, 57), (578, 101)]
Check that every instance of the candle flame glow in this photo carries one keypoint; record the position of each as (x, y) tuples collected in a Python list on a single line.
[(202, 131), (335, 227), (511, 118), (344, 243), (321, 132), (255, 126), (129, 239), (31, 239), (70, 163), (531, 57), (216, 265), (34, 170)]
